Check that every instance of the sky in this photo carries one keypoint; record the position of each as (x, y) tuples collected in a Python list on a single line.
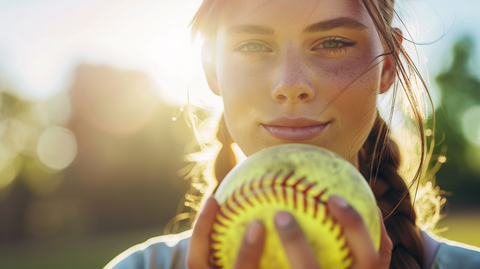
[(41, 41)]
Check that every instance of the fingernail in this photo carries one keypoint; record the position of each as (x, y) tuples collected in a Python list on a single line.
[(253, 232), (283, 219), (339, 201)]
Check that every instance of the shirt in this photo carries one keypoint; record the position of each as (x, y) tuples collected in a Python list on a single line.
[(170, 252)]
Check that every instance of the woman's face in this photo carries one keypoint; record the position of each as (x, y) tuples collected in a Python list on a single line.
[(299, 71)]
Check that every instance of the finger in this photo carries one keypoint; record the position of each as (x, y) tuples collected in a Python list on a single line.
[(198, 255), (386, 245), (296, 246), (356, 233), (252, 246)]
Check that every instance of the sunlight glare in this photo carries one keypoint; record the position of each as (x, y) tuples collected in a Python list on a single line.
[(177, 66)]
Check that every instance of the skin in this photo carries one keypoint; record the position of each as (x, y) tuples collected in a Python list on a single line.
[(292, 77), (297, 248), (332, 76)]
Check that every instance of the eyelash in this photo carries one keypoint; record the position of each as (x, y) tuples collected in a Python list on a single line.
[(345, 44), (238, 48)]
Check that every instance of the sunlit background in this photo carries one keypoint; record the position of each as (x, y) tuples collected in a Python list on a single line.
[(93, 136)]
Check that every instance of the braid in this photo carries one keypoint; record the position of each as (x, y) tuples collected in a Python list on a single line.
[(381, 154)]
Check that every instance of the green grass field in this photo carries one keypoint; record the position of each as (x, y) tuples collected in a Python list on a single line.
[(463, 227), (97, 252)]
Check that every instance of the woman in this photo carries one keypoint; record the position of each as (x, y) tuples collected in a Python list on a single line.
[(309, 71)]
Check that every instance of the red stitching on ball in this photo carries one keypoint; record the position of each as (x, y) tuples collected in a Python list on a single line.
[(284, 186), (341, 233), (317, 201), (263, 189), (252, 190), (272, 186), (317, 198), (242, 189), (288, 176), (227, 205), (345, 245), (294, 186), (305, 197), (284, 182), (234, 198), (262, 179), (308, 188), (217, 232), (223, 214), (334, 223), (327, 213), (348, 256), (242, 193), (219, 222)]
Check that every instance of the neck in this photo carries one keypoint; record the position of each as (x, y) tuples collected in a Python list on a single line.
[(354, 161)]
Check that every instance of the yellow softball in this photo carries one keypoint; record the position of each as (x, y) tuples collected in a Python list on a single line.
[(297, 178)]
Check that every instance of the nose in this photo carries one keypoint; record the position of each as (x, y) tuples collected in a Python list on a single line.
[(292, 83)]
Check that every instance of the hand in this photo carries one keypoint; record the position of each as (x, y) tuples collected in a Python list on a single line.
[(364, 254), (301, 255), (198, 255), (296, 245)]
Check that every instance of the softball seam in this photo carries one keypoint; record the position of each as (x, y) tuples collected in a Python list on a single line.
[(286, 183)]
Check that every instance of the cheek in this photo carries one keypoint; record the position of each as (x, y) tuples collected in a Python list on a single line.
[(350, 86), (358, 89), (243, 87), (342, 73), (243, 91), (351, 89)]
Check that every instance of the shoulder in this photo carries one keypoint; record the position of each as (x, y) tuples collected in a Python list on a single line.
[(456, 255), (168, 251)]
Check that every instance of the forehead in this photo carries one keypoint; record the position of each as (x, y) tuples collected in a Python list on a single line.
[(289, 15)]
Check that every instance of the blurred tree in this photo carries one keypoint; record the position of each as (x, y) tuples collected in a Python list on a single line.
[(458, 128), (19, 131), (130, 150), (125, 175)]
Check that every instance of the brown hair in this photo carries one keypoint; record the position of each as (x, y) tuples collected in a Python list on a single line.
[(380, 157)]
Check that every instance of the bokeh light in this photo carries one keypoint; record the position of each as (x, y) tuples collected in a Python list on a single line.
[(471, 125), (9, 171), (57, 147)]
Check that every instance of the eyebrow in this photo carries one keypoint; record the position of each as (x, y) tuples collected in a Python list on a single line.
[(345, 22), (342, 22)]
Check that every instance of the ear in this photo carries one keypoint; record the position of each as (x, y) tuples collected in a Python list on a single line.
[(388, 71), (208, 63)]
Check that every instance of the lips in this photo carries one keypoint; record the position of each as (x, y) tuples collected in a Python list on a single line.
[(295, 129)]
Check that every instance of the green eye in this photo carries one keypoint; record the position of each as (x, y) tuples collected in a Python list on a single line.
[(333, 45), (330, 44), (254, 47)]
